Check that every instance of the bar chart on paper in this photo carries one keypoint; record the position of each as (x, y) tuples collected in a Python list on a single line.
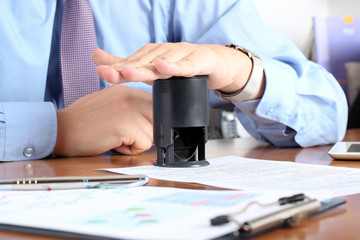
[(165, 208), (132, 213)]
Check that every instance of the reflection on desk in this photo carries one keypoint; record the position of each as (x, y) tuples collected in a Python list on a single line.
[(339, 224)]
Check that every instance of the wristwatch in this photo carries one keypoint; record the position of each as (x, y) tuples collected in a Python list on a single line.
[(253, 81)]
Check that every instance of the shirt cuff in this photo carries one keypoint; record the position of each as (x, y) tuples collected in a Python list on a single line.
[(28, 130), (262, 128), (267, 119)]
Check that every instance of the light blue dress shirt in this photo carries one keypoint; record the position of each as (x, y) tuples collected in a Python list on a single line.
[(303, 104)]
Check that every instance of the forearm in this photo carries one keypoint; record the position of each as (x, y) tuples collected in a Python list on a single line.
[(248, 77)]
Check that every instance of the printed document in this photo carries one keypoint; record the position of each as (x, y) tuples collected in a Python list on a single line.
[(127, 213), (261, 175)]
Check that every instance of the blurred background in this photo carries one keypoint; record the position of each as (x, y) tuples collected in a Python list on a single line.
[(332, 40), (294, 18)]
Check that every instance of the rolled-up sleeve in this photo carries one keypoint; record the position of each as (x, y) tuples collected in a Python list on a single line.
[(303, 105)]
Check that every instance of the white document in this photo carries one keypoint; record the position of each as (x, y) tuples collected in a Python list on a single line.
[(128, 213), (247, 174)]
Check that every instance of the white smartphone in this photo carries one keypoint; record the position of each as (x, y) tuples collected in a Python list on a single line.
[(346, 151)]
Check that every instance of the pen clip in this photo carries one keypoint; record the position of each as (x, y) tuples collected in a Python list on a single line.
[(285, 216)]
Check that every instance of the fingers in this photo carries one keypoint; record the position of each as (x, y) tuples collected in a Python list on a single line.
[(110, 70), (101, 57), (136, 134), (133, 119), (137, 141), (131, 99), (117, 116), (159, 61), (152, 51), (195, 63), (109, 74), (226, 69), (129, 150)]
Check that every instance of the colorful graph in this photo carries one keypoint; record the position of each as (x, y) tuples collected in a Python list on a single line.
[(120, 209), (203, 199)]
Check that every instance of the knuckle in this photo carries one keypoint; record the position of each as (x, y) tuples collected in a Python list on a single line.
[(149, 130), (148, 46), (142, 60), (125, 107), (189, 61), (165, 59), (148, 145), (166, 44), (183, 44)]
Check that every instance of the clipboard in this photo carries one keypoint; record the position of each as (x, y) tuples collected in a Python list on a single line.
[(185, 195), (290, 216)]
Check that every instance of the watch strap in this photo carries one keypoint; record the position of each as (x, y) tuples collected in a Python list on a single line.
[(253, 81)]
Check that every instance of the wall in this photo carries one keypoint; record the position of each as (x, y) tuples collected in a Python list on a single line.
[(294, 18), (344, 8)]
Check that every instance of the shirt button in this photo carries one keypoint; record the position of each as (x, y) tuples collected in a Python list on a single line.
[(301, 130), (270, 111), (28, 151)]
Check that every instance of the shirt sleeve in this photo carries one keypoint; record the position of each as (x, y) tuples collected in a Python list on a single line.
[(303, 108), (28, 130), (303, 105)]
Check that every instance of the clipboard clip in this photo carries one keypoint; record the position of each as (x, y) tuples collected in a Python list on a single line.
[(300, 206)]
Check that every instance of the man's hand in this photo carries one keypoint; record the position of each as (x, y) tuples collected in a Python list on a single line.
[(227, 69), (117, 118)]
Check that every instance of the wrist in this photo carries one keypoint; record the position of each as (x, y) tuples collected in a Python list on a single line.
[(59, 147), (254, 85)]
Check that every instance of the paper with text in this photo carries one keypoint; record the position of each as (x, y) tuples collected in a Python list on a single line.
[(261, 175)]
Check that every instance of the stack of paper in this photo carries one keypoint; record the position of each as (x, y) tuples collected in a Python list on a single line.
[(262, 176)]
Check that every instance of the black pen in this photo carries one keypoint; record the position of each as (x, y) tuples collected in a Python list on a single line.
[(73, 182)]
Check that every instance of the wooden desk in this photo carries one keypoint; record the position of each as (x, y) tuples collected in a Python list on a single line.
[(340, 223)]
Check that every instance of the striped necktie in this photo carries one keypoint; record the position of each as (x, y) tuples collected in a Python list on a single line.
[(77, 41)]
